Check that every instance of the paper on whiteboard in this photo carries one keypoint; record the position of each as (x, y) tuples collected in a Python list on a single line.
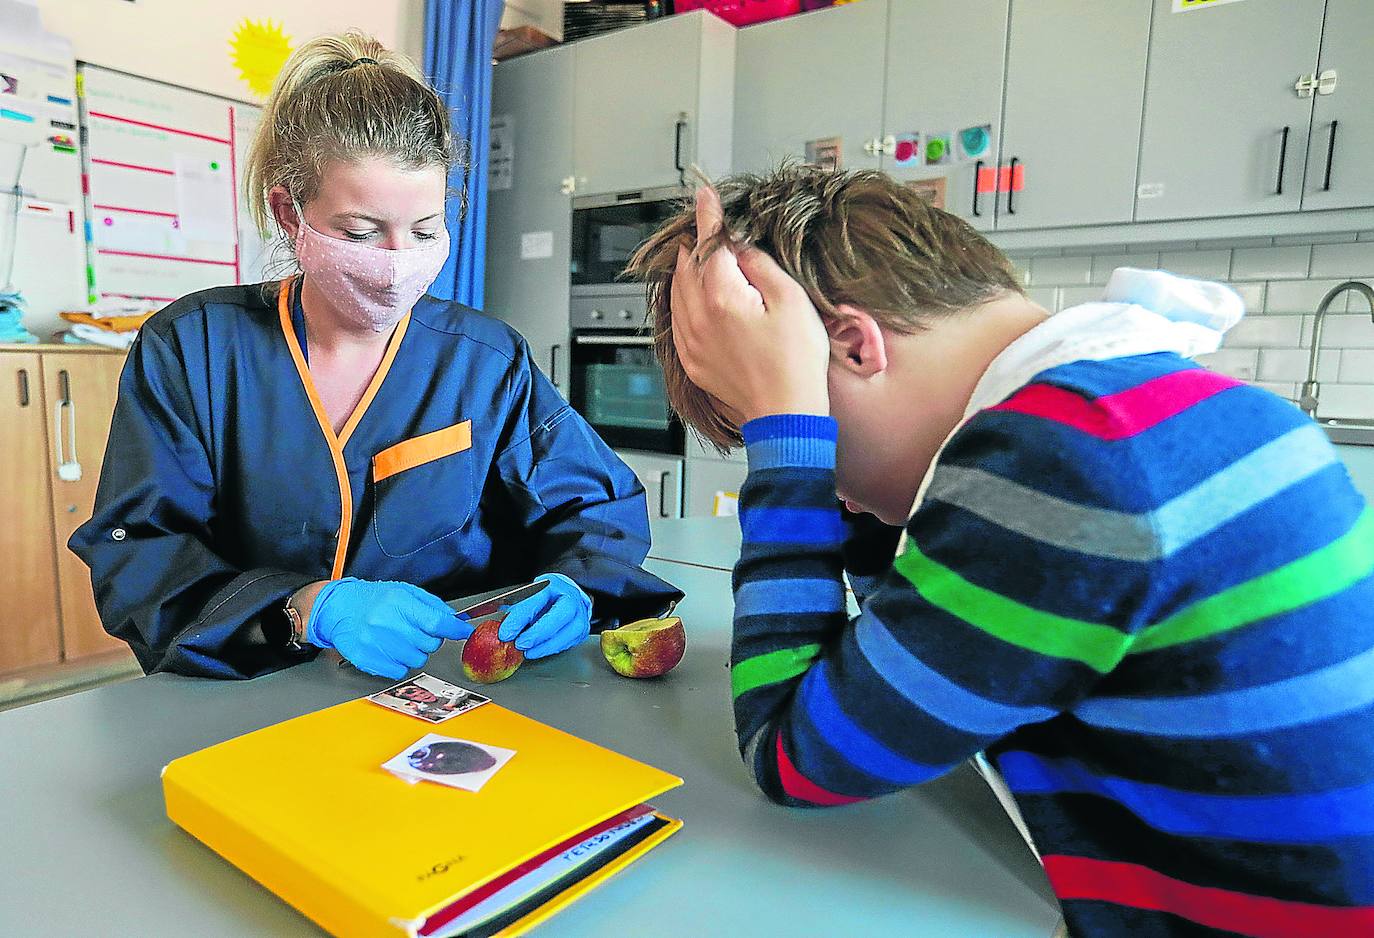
[(205, 199), (501, 154), (119, 231), (536, 244)]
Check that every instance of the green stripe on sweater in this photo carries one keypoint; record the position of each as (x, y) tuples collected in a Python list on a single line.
[(1100, 647), (771, 668), (1324, 572)]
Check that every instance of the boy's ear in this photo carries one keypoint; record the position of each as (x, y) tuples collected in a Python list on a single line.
[(857, 342)]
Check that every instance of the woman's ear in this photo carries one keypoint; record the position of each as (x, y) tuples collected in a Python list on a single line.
[(857, 342), (284, 210)]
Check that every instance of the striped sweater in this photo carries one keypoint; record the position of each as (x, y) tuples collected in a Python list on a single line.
[(1145, 590)]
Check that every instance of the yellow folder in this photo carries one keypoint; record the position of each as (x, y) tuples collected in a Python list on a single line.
[(305, 808)]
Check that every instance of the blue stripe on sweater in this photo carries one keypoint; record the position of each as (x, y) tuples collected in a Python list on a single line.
[(1307, 698), (791, 525), (850, 742), (934, 693), (1273, 819), (761, 597), (791, 453)]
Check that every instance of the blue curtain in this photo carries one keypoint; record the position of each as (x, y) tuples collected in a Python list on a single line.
[(459, 36)]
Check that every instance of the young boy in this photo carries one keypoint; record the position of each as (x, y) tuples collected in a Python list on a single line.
[(1144, 589)]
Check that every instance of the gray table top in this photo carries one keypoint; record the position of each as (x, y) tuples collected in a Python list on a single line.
[(87, 847)]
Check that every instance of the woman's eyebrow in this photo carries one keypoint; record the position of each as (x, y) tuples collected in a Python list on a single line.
[(362, 216)]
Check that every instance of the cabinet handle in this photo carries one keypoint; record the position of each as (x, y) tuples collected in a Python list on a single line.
[(1330, 156), (1011, 186), (23, 387), (677, 145), (1283, 161), (553, 364), (663, 478), (977, 175), (68, 466)]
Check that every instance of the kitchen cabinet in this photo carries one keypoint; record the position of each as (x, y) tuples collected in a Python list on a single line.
[(661, 477), (1074, 132), (54, 422), (30, 625), (528, 223), (81, 389), (811, 77), (944, 74), (1338, 173), (710, 485), (1225, 132), (649, 102)]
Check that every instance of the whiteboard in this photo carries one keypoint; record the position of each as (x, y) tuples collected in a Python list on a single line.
[(162, 174)]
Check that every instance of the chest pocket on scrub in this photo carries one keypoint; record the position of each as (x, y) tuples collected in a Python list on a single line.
[(424, 489)]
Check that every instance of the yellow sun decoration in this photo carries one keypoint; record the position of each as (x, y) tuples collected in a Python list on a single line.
[(260, 50)]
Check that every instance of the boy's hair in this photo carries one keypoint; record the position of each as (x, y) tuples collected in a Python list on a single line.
[(857, 237)]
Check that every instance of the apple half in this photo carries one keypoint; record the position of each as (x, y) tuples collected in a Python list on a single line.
[(647, 648)]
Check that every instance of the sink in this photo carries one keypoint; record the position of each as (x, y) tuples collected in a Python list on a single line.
[(1354, 431)]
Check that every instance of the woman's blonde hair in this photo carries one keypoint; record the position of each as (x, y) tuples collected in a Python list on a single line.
[(342, 97)]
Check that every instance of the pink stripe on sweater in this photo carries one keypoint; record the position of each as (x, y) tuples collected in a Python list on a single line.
[(1125, 413), (799, 786)]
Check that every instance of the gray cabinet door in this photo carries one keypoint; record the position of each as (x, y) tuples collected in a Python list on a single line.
[(528, 225), (1074, 127), (1347, 113), (632, 89), (708, 478), (944, 75), (806, 78), (661, 477), (1219, 98)]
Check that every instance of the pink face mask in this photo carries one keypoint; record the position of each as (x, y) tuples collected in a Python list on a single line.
[(372, 286)]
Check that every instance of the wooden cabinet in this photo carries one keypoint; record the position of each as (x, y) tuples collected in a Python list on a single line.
[(29, 620), (81, 389), (55, 410)]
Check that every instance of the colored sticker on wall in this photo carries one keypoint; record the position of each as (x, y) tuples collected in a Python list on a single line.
[(260, 49), (908, 150), (827, 153), (932, 190), (937, 148), (975, 142), (1187, 6)]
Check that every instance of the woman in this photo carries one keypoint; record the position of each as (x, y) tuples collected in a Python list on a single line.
[(314, 463)]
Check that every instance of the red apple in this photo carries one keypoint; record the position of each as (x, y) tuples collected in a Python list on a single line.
[(487, 659), (646, 648)]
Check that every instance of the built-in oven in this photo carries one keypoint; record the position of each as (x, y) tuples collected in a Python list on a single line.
[(606, 229), (614, 380)]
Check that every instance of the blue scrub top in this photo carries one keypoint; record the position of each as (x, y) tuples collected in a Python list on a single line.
[(225, 489)]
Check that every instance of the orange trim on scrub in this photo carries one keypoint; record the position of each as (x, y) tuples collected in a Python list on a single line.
[(419, 450), (336, 442)]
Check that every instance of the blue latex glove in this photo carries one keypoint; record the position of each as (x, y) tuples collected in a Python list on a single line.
[(382, 628), (551, 621)]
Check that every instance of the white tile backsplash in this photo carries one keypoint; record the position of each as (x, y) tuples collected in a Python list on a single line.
[(1346, 400), (1357, 366), (1281, 281), (1265, 332), (1350, 330), (1075, 296), (1301, 296), (1343, 260), (1204, 265), (1104, 264), (1271, 263), (1238, 363), (1054, 271), (1291, 365)]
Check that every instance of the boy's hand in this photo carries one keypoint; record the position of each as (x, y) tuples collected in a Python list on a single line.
[(746, 332)]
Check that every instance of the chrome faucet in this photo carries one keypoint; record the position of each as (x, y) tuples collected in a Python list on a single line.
[(1311, 388)]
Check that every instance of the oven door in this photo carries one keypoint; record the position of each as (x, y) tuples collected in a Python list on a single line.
[(617, 385), (606, 231)]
